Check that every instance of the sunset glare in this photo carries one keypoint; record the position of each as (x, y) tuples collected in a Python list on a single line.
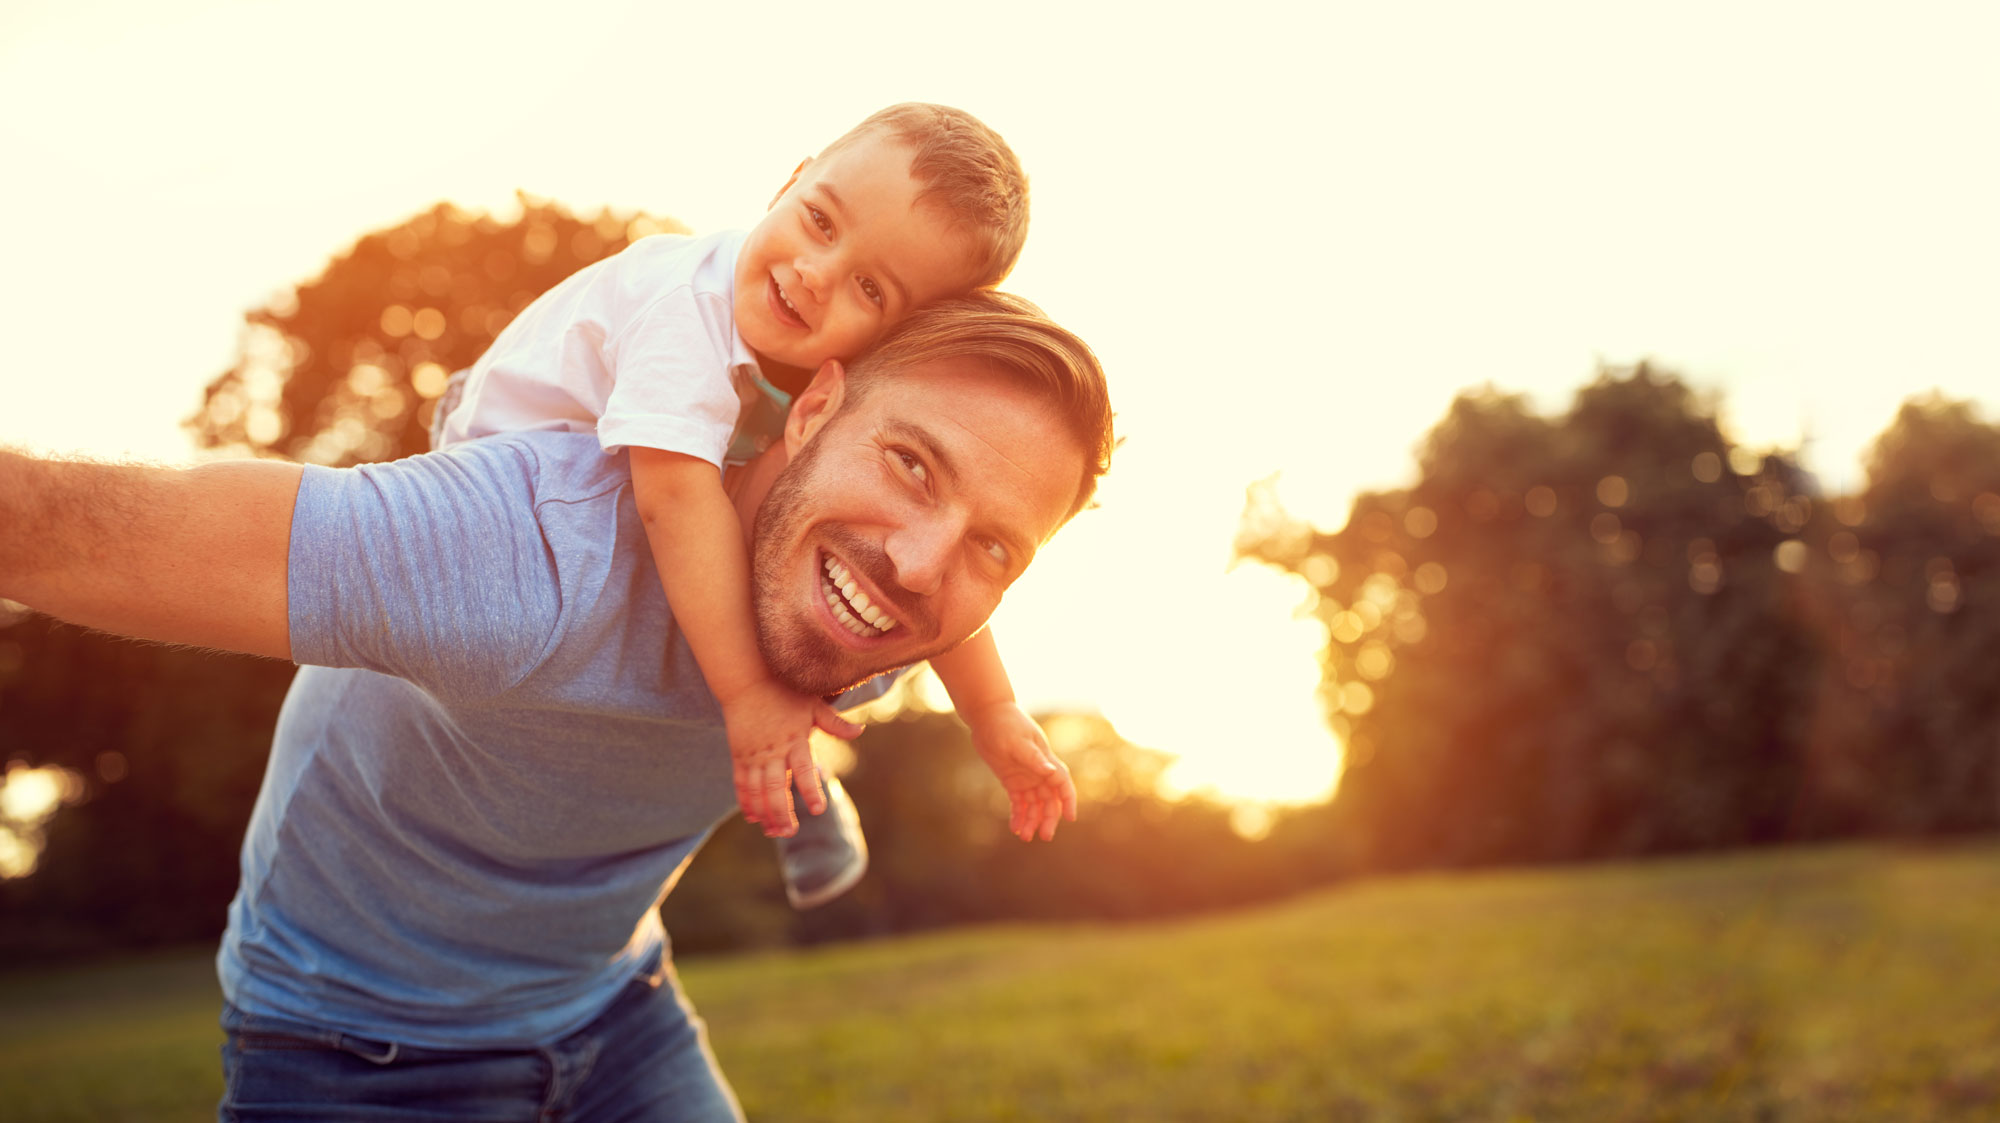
[(1292, 233)]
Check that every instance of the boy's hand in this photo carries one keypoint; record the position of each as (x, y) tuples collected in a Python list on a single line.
[(1038, 785), (768, 729)]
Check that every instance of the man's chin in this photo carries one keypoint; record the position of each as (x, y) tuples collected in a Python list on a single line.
[(812, 665), (827, 687), (812, 677)]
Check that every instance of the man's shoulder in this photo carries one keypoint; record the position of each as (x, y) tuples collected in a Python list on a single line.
[(466, 569), (538, 466), (507, 474)]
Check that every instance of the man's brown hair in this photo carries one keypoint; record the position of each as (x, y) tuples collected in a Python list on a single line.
[(967, 171), (1018, 342)]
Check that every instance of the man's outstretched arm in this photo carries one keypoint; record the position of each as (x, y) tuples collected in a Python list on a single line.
[(177, 555)]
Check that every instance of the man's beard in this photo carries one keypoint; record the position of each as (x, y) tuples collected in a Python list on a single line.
[(796, 653)]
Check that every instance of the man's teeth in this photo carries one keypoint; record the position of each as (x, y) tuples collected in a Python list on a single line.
[(846, 600)]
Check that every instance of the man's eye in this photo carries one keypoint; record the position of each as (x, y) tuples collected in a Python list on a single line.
[(994, 549), (871, 290), (820, 220), (912, 465)]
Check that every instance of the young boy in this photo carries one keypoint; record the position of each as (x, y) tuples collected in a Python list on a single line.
[(686, 352)]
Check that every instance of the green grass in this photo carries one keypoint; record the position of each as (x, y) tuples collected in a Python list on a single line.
[(1842, 984)]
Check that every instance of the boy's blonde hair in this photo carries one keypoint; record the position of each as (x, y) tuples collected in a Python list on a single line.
[(966, 169), (1019, 343)]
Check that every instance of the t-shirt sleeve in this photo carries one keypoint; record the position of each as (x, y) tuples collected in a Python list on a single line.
[(670, 378), (432, 569)]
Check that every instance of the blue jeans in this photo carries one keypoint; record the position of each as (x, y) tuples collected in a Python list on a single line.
[(644, 1058)]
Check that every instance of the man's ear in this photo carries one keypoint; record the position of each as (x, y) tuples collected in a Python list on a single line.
[(789, 182), (815, 405)]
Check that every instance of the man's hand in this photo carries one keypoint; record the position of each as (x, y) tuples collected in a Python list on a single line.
[(1038, 785), (769, 728)]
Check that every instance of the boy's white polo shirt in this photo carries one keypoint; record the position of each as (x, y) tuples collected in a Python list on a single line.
[(640, 348)]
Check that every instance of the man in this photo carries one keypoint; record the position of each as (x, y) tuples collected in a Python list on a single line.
[(500, 753)]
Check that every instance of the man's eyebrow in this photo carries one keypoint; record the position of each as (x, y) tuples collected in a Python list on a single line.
[(933, 451)]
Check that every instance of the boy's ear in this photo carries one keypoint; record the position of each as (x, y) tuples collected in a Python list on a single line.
[(789, 182), (815, 405)]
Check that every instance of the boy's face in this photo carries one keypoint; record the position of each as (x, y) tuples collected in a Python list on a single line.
[(844, 252)]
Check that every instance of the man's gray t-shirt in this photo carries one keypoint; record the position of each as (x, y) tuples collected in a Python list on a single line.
[(500, 757)]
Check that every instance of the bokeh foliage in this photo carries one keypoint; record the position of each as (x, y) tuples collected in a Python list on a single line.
[(344, 369), (1614, 632)]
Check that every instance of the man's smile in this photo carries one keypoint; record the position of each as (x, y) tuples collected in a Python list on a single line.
[(849, 603)]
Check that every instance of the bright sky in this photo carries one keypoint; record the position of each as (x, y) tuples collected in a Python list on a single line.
[(1292, 232)]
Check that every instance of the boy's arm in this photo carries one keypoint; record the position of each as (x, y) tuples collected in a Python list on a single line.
[(193, 556), (697, 545), (1038, 785), (974, 675)]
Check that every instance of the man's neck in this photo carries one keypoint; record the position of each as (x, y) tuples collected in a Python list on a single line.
[(747, 484)]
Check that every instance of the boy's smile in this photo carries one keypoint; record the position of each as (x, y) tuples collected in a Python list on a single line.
[(846, 250)]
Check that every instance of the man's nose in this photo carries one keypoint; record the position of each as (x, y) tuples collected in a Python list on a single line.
[(922, 555)]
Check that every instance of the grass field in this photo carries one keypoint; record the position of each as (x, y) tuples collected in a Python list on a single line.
[(1842, 984)]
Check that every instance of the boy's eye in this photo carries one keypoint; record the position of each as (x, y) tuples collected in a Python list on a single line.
[(820, 220), (871, 290)]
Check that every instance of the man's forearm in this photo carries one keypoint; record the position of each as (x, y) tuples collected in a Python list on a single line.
[(194, 556), (52, 511)]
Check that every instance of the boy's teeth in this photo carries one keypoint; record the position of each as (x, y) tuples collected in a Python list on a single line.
[(841, 584)]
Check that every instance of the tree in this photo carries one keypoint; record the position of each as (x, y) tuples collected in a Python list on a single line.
[(345, 369), (167, 745), (1909, 732), (940, 853), (1572, 638)]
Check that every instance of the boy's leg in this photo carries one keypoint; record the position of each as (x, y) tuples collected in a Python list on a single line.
[(828, 854)]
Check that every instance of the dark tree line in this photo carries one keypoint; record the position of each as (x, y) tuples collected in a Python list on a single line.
[(1612, 633), (940, 853)]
